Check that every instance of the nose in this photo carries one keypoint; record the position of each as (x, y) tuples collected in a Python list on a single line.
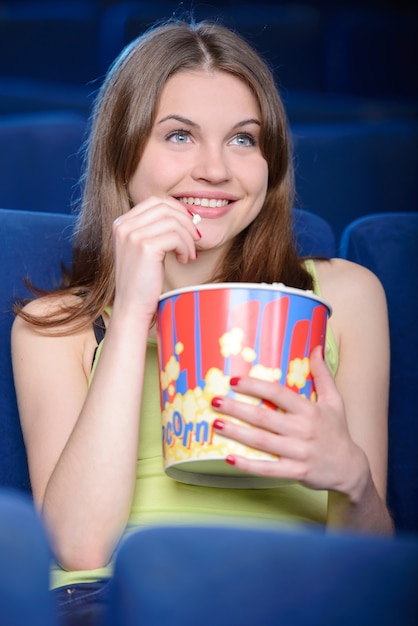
[(212, 164)]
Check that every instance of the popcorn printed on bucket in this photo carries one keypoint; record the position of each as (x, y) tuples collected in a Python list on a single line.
[(298, 373), (231, 342), (188, 417)]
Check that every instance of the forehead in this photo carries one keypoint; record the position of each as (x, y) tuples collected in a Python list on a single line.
[(204, 90)]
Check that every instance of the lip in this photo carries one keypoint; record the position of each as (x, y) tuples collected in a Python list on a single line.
[(209, 213)]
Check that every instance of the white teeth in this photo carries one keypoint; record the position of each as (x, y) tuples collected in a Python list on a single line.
[(206, 202)]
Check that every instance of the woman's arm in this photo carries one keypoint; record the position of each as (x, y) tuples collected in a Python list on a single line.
[(338, 443), (82, 442), (363, 381)]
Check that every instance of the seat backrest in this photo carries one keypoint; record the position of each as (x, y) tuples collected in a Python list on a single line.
[(25, 557), (347, 169), (29, 95), (388, 245), (32, 245), (314, 236), (40, 160), (184, 576)]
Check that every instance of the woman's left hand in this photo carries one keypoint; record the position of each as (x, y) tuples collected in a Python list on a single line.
[(311, 439)]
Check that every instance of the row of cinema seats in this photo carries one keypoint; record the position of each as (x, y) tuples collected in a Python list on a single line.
[(206, 575), (185, 576), (32, 244), (319, 46), (344, 168)]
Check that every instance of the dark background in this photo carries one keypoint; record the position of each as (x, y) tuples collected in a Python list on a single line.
[(346, 72)]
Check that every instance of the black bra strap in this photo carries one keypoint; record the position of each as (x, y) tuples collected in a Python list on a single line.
[(99, 329)]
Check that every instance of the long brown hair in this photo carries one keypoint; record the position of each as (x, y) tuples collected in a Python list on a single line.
[(121, 124)]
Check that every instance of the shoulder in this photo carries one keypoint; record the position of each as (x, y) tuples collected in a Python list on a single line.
[(37, 313), (38, 342), (355, 294), (341, 279)]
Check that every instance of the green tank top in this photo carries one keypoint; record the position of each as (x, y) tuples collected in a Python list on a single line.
[(160, 500)]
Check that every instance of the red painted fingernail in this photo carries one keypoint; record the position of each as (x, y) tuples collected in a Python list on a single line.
[(234, 380), (230, 459), (199, 233), (190, 212), (216, 402), (218, 424)]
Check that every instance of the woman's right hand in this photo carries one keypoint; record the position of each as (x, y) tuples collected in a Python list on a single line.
[(142, 239)]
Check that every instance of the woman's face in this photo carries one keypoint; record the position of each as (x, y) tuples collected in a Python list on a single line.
[(204, 151)]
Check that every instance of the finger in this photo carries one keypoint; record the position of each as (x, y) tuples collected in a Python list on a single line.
[(163, 232), (155, 208), (279, 395), (268, 419), (279, 467), (323, 379), (265, 440)]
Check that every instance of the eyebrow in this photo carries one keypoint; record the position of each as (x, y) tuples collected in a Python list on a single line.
[(187, 122)]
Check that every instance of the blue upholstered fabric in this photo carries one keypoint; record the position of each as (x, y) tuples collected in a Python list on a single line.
[(32, 244), (306, 106), (388, 245), (314, 235), (186, 576), (345, 170), (29, 95), (40, 160), (25, 557)]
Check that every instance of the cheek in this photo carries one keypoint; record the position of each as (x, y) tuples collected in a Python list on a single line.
[(258, 182), (254, 174), (154, 177), (142, 183), (264, 176)]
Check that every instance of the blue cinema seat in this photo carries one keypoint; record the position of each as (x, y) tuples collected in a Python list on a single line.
[(25, 557), (185, 576), (29, 95), (388, 245), (348, 169), (32, 244), (40, 160), (314, 236)]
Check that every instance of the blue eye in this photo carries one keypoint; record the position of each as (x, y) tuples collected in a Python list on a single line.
[(244, 139), (179, 136)]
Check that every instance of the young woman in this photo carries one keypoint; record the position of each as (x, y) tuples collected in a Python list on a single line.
[(189, 121)]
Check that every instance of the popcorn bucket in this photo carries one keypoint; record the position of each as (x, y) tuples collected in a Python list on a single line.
[(208, 333)]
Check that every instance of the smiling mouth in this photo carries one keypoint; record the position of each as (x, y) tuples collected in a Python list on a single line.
[(205, 202)]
